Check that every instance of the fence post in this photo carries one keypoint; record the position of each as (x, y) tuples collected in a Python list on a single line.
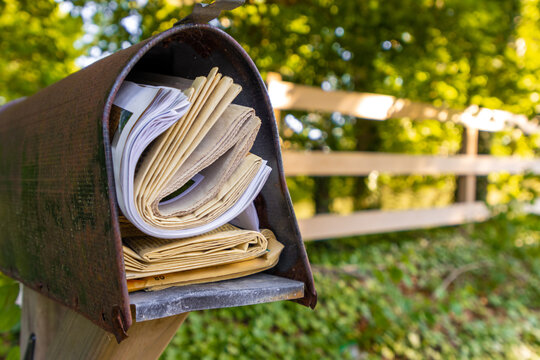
[(271, 77), (466, 191)]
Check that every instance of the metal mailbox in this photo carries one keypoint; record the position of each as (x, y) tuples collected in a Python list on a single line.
[(59, 230)]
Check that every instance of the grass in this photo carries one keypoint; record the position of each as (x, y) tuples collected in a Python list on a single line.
[(470, 292)]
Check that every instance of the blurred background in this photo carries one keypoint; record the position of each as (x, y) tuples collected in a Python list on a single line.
[(461, 292)]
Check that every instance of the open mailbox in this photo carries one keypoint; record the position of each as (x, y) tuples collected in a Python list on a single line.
[(59, 228)]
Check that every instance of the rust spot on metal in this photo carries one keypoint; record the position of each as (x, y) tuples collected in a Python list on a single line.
[(119, 324)]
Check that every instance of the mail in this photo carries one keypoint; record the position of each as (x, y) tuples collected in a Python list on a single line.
[(183, 175), (218, 272)]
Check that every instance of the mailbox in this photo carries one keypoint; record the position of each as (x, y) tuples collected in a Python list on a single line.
[(59, 229)]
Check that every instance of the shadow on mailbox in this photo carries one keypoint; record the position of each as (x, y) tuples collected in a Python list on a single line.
[(59, 229)]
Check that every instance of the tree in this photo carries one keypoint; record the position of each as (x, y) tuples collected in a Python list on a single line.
[(446, 52), (36, 46)]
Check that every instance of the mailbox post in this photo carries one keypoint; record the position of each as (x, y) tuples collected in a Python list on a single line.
[(50, 330), (59, 229)]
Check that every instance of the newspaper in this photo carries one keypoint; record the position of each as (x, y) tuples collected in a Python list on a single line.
[(146, 256), (161, 107), (186, 182), (180, 156), (212, 271)]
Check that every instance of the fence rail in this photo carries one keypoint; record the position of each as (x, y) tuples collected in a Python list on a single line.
[(318, 163), (467, 165), (289, 96), (325, 226)]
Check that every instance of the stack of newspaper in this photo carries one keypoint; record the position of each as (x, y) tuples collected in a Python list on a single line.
[(225, 253), (186, 182)]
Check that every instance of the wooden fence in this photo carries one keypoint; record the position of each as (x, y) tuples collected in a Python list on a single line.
[(468, 165)]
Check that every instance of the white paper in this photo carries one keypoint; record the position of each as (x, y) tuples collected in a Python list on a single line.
[(155, 109), (248, 219)]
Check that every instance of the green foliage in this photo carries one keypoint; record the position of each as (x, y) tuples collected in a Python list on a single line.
[(446, 52), (10, 315), (440, 294), (449, 53), (36, 43)]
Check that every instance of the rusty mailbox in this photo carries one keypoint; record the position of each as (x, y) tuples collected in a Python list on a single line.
[(59, 228)]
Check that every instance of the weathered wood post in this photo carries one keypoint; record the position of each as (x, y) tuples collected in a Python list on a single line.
[(272, 80), (62, 333), (466, 186)]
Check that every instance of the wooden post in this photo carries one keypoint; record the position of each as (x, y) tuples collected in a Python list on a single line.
[(274, 77), (467, 184), (64, 334)]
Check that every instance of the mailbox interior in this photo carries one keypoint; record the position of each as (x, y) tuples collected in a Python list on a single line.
[(193, 53)]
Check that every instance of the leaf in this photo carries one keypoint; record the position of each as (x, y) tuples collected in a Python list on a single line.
[(395, 274), (414, 339), (9, 317), (14, 353)]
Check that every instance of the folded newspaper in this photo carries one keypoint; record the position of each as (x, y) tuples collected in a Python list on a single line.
[(183, 171), (227, 252), (195, 176)]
